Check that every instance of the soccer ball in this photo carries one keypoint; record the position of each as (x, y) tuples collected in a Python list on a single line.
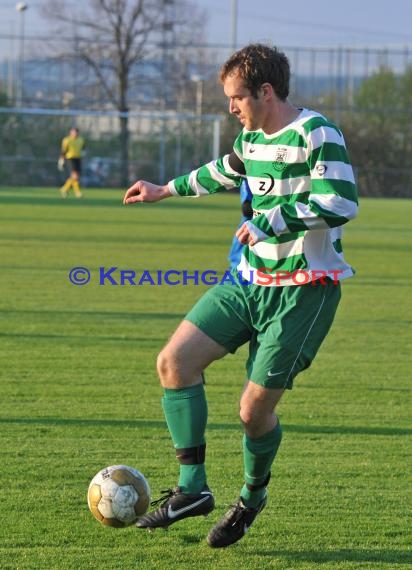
[(118, 495)]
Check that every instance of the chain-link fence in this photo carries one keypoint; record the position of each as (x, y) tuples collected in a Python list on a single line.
[(161, 145), (178, 113), (66, 81)]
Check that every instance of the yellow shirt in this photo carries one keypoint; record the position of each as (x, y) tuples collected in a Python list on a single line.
[(72, 147)]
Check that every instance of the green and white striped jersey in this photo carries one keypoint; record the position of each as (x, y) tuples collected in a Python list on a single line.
[(303, 192)]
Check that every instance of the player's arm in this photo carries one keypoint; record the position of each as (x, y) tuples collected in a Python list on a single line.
[(63, 148), (62, 158), (222, 174), (332, 196), (143, 191)]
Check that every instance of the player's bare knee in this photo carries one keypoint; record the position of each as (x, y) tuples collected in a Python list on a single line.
[(256, 419), (256, 425), (172, 370), (164, 366), (249, 417)]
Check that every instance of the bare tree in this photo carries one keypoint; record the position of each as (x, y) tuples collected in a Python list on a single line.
[(113, 36)]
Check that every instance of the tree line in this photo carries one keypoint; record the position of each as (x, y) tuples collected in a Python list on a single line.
[(112, 37)]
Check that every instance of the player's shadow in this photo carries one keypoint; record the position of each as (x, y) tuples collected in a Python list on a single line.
[(86, 338), (129, 315), (392, 557), (90, 200), (137, 423), (357, 430)]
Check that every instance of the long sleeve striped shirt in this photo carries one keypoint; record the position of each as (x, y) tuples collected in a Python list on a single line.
[(303, 190)]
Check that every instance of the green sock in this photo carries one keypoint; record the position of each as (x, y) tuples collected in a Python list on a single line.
[(185, 410), (258, 455)]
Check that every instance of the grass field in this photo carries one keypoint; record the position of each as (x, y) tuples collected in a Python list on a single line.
[(79, 392)]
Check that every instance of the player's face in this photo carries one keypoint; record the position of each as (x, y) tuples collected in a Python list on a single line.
[(248, 109)]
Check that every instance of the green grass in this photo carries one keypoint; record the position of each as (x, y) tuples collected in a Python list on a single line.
[(79, 392)]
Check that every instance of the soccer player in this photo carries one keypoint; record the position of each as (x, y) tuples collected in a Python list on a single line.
[(297, 167), (72, 147)]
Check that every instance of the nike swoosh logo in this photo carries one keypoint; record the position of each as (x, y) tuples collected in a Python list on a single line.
[(252, 150), (270, 374), (173, 514)]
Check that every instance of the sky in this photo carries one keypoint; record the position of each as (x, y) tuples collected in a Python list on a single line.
[(287, 23), (325, 23)]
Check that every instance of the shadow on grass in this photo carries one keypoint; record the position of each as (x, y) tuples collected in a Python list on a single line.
[(51, 201), (159, 424), (189, 222), (106, 314), (346, 555), (84, 338), (357, 430), (104, 238), (110, 201)]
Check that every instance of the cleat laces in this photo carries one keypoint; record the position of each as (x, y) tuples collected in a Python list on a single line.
[(168, 494)]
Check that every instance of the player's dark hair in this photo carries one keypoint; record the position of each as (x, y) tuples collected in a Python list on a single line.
[(257, 64)]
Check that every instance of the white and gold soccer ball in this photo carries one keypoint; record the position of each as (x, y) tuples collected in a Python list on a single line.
[(118, 495)]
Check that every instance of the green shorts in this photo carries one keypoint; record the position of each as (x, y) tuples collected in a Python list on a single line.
[(284, 326)]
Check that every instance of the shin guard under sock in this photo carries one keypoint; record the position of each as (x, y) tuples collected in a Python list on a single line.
[(259, 455), (185, 410)]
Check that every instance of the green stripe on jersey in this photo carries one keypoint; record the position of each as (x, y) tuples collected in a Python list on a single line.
[(183, 187), (291, 263), (319, 121), (340, 188), (330, 152)]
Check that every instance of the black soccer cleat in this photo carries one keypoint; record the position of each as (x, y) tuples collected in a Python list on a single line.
[(176, 506), (234, 524)]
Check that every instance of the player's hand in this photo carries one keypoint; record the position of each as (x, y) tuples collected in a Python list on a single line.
[(244, 235), (60, 164), (143, 191)]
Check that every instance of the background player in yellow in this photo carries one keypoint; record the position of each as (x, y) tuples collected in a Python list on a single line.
[(72, 147)]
